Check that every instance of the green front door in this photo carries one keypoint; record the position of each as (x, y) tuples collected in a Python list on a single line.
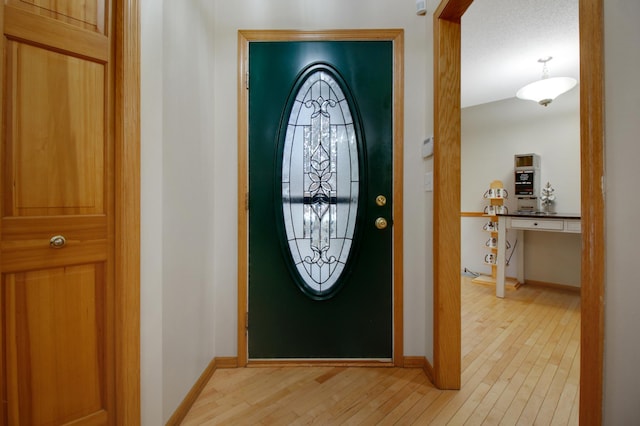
[(320, 191)]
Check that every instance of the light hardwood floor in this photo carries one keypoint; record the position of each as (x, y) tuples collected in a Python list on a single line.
[(520, 360)]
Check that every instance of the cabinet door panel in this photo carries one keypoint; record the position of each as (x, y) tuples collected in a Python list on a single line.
[(57, 164), (55, 134), (55, 331), (87, 14)]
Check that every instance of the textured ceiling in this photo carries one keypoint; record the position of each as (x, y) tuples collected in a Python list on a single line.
[(502, 41)]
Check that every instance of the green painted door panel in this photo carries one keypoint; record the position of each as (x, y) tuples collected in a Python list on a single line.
[(356, 321)]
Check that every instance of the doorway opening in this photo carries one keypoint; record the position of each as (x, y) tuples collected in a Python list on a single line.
[(447, 351)]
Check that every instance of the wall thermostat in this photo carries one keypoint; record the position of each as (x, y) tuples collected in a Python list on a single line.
[(421, 7), (427, 147)]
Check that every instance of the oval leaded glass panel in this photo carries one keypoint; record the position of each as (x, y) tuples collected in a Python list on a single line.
[(320, 182)]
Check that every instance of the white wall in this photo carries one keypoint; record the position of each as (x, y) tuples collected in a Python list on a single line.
[(189, 175), (622, 292), (491, 135), (622, 341), (329, 14), (188, 194), (151, 95), (177, 309)]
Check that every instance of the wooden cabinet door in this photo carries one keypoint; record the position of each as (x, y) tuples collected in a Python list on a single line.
[(57, 205)]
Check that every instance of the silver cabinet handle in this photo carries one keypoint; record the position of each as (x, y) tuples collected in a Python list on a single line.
[(57, 241)]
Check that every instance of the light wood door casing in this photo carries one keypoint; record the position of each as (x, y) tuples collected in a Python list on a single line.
[(57, 157), (447, 22), (244, 38)]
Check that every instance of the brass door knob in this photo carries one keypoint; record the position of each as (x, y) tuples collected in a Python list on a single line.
[(381, 223)]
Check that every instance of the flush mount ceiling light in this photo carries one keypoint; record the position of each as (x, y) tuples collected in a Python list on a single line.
[(546, 89)]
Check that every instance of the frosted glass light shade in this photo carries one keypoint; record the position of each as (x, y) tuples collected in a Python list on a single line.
[(546, 90)]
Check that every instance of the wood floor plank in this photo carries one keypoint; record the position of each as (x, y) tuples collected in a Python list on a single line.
[(347, 402), (374, 396), (384, 404), (513, 355), (427, 417), (405, 403), (551, 406), (467, 410), (427, 398), (520, 360), (287, 385), (516, 395)]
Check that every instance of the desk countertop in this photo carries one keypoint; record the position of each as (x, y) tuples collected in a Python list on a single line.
[(543, 215)]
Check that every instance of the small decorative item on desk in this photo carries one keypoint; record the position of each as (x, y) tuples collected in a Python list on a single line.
[(548, 198)]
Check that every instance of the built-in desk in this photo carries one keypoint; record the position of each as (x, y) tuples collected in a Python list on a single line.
[(549, 222)]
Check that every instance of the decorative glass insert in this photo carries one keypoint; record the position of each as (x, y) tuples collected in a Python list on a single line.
[(320, 181)]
